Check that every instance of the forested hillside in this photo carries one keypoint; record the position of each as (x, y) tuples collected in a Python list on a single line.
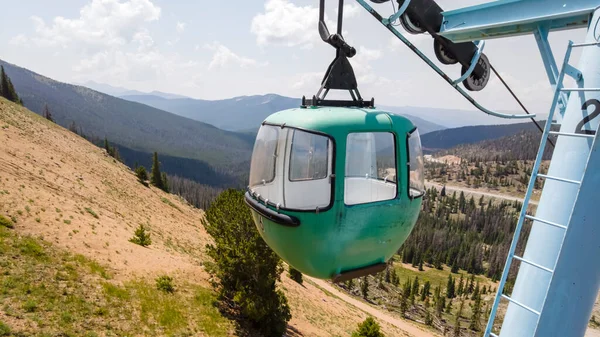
[(238, 113), (520, 146), (132, 125), (449, 138), (468, 234)]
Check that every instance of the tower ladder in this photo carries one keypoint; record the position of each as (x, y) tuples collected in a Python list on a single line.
[(559, 90)]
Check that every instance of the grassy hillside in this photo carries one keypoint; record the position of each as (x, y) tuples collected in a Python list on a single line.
[(68, 267), (127, 123)]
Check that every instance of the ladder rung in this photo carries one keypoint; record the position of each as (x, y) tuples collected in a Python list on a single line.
[(533, 264), (586, 44), (570, 134), (580, 89), (545, 221), (521, 305), (545, 176)]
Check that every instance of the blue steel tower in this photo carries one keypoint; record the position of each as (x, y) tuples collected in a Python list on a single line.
[(559, 272)]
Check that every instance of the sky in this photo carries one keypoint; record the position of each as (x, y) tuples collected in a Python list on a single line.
[(222, 49)]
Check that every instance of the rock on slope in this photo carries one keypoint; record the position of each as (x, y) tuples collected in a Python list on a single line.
[(67, 192)]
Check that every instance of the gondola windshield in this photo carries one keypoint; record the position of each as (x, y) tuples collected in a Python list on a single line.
[(290, 168), (416, 173)]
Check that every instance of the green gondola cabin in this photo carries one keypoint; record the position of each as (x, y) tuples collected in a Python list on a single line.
[(336, 191)]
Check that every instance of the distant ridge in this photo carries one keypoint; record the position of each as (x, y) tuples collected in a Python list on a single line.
[(445, 139), (133, 125), (118, 91), (241, 113)]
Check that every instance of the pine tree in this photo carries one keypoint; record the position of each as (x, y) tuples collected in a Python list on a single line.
[(448, 308), (364, 287), (47, 114), (425, 291), (476, 316), (141, 237), (295, 274), (428, 318), (471, 286), (443, 192), (368, 328), (439, 301), (165, 182), (7, 90), (156, 176), (388, 278), (456, 328), (350, 284), (415, 290), (106, 145), (461, 286), (142, 175), (476, 291), (394, 277), (245, 270), (450, 288), (454, 268), (460, 308)]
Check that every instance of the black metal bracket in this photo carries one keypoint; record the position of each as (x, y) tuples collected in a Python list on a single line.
[(278, 218), (340, 74), (351, 274)]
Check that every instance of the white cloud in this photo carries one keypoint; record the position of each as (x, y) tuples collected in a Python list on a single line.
[(368, 54), (180, 27), (101, 23), (19, 40), (350, 11), (286, 24), (143, 39), (308, 81), (223, 57)]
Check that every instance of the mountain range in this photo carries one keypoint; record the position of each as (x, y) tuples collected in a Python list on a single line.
[(445, 139), (240, 113), (180, 128), (134, 126), (118, 91)]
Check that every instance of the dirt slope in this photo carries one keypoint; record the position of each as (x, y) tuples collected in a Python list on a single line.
[(59, 187)]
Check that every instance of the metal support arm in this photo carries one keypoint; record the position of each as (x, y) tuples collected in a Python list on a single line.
[(388, 24)]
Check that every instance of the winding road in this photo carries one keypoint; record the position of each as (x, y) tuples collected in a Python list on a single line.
[(452, 188)]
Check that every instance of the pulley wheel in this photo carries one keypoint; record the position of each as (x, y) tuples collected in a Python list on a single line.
[(411, 25), (474, 82), (442, 54)]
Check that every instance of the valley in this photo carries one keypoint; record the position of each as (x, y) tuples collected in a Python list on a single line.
[(75, 207)]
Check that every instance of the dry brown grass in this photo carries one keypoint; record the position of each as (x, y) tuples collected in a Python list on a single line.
[(52, 182)]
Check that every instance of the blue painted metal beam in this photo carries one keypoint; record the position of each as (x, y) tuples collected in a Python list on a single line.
[(515, 17)]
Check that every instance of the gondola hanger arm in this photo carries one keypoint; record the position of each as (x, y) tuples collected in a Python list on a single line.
[(388, 23)]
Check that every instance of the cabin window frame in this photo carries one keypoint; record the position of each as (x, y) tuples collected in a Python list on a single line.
[(395, 183), (291, 156), (331, 177), (408, 167), (275, 154)]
